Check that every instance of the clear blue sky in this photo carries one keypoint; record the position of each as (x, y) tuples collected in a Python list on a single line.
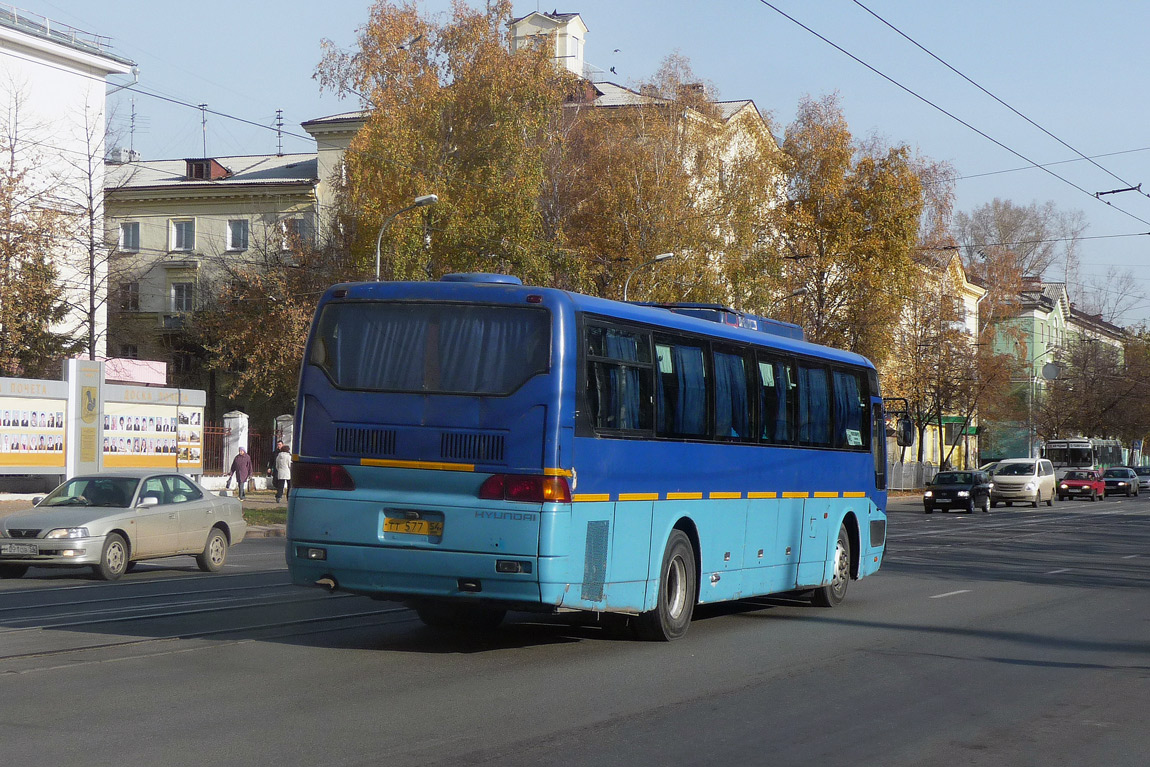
[(1075, 69)]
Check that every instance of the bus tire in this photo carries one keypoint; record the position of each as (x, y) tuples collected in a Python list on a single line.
[(836, 591), (675, 603), (449, 616)]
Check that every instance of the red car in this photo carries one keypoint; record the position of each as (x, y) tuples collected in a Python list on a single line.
[(1082, 483)]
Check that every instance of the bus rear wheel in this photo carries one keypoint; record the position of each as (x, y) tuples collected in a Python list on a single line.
[(836, 591), (448, 616), (676, 600)]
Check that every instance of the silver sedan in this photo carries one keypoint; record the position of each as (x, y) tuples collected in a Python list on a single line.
[(111, 520)]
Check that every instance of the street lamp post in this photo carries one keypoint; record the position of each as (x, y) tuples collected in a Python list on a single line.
[(1031, 448), (419, 202), (653, 261)]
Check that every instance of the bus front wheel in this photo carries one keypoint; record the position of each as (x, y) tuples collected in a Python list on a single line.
[(676, 600), (836, 591)]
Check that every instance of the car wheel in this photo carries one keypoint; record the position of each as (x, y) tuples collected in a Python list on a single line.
[(1094, 496), (970, 507), (986, 505), (1037, 499), (13, 571), (1050, 500), (452, 616), (215, 552), (1129, 492), (675, 602), (928, 509), (835, 592), (113, 559), (1009, 504)]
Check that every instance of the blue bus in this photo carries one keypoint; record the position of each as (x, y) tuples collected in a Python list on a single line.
[(474, 445)]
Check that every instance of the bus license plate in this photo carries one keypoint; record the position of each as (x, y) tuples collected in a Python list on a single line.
[(412, 527), (19, 548)]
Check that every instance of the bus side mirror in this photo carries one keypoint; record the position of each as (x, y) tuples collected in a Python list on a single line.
[(904, 433)]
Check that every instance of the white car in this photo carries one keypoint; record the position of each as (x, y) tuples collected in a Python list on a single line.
[(111, 520), (1024, 480)]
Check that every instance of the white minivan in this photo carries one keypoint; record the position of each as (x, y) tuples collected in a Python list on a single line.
[(1025, 480)]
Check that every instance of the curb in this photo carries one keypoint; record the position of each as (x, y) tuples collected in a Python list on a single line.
[(266, 531)]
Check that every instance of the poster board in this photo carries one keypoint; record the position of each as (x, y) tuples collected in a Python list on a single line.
[(146, 428), (32, 419)]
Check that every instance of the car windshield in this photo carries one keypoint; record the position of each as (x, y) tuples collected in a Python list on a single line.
[(1014, 469), (1142, 471), (1119, 473), (1079, 475), (114, 492), (953, 478)]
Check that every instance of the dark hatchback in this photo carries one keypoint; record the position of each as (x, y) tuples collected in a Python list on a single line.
[(966, 490), (1120, 479)]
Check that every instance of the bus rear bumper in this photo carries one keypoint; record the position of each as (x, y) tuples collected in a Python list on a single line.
[(396, 573)]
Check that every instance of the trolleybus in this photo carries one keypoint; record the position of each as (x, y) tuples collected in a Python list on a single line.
[(473, 446)]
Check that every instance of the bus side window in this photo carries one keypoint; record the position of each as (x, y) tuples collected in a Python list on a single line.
[(681, 390), (814, 406), (619, 379), (732, 405), (850, 417), (776, 401)]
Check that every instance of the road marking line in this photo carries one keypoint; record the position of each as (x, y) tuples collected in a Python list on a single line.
[(1130, 556), (1056, 572), (951, 594)]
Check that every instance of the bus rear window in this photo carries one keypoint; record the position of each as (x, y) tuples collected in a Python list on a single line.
[(433, 348)]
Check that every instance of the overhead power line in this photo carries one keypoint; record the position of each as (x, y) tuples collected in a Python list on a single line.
[(1000, 101), (949, 114)]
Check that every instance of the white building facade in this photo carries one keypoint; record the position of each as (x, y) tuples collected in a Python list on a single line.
[(53, 81)]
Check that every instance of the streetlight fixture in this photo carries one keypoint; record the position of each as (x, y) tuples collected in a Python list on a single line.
[(653, 261), (419, 202), (1050, 372)]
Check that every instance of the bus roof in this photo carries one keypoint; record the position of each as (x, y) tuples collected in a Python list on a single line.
[(485, 291)]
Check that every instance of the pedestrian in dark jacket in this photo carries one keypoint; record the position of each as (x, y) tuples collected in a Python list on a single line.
[(242, 470)]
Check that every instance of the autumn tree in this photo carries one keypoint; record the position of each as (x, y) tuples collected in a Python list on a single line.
[(451, 110), (848, 230), (34, 231)]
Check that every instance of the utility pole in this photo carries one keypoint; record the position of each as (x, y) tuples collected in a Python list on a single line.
[(279, 133), (204, 124)]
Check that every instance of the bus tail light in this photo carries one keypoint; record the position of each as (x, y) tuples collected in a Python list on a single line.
[(321, 476), (530, 488)]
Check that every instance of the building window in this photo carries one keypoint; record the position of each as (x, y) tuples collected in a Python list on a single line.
[(183, 296), (130, 351), (296, 231), (182, 362), (129, 296), (238, 234), (184, 234), (130, 237)]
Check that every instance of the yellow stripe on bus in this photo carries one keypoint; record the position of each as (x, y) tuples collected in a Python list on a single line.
[(725, 495), (796, 495), (826, 495), (762, 495), (854, 495), (584, 497), (684, 496), (638, 496), (557, 472), (392, 464)]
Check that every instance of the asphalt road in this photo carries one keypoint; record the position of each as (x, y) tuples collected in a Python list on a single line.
[(1021, 637)]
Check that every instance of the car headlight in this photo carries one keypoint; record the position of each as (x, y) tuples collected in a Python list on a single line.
[(68, 532), (1064, 485), (928, 494), (1029, 486), (1121, 484), (963, 493)]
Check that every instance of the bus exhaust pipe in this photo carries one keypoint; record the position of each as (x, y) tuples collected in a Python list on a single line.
[(327, 582)]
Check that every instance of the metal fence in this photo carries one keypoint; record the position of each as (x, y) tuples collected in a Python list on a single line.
[(910, 475), (214, 450)]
